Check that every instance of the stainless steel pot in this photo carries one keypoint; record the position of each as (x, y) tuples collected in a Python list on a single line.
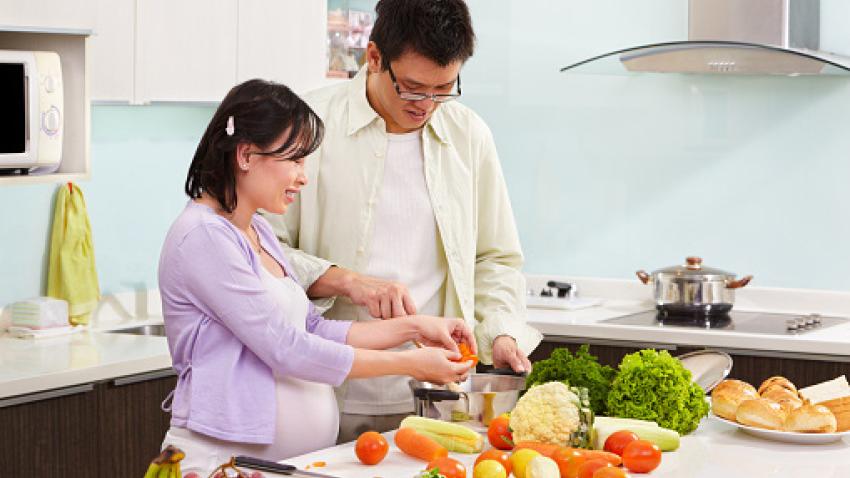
[(481, 397), (692, 289)]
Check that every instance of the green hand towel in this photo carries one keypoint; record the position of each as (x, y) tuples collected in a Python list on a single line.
[(72, 274)]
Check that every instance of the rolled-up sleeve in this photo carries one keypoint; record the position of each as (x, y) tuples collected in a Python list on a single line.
[(217, 274)]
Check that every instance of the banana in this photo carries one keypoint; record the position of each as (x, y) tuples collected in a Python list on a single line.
[(175, 470), (153, 470), (164, 471)]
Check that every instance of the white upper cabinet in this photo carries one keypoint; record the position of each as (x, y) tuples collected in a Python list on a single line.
[(61, 14), (112, 51), (283, 41), (186, 49)]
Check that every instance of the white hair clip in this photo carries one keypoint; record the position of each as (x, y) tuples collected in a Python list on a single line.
[(231, 126)]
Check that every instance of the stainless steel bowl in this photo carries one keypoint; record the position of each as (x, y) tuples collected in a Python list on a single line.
[(500, 389)]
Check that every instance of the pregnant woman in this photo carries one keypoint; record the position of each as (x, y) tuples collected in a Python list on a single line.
[(256, 362)]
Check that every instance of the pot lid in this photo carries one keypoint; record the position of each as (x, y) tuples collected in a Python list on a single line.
[(693, 268)]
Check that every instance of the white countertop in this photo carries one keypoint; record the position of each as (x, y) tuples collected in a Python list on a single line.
[(714, 450), (28, 366), (621, 298)]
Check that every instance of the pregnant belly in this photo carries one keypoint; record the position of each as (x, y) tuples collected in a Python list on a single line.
[(307, 417)]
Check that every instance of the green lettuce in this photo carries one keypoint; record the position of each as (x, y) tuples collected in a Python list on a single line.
[(581, 370), (652, 385)]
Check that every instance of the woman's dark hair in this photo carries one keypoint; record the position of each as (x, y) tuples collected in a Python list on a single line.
[(262, 111), (440, 30)]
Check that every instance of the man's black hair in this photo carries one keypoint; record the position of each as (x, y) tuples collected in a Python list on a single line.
[(440, 30)]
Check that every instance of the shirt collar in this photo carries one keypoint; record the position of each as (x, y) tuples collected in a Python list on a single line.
[(361, 114)]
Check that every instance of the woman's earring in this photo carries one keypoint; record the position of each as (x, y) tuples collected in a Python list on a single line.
[(244, 166)]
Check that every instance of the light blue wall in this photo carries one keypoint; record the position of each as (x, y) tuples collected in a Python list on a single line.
[(611, 174), (139, 160), (606, 174)]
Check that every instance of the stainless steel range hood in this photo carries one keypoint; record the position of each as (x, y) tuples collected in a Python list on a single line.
[(745, 37)]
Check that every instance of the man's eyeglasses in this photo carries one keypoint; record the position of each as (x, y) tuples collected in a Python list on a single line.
[(412, 96)]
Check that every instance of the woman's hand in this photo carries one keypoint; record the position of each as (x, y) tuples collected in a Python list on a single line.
[(444, 332), (431, 364)]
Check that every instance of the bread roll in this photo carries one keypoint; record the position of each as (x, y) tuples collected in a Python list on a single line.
[(840, 407), (728, 394), (761, 413), (781, 381), (782, 396), (811, 419)]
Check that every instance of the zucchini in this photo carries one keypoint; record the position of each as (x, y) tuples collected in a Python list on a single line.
[(666, 439)]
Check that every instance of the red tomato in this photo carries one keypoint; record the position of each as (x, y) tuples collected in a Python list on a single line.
[(618, 440), (563, 457), (610, 472), (641, 456), (371, 448), (448, 467), (588, 468), (501, 456), (499, 433)]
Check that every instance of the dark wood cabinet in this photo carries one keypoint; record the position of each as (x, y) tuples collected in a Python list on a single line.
[(55, 436), (131, 422), (107, 429)]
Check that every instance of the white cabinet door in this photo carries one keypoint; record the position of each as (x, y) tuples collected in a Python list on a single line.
[(186, 49), (48, 13), (284, 41), (112, 51)]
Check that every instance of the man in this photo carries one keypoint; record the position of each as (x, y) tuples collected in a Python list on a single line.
[(408, 203)]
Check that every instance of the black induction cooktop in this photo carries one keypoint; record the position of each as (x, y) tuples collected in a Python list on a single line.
[(735, 321)]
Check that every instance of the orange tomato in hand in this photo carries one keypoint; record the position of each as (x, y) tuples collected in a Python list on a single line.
[(641, 456), (466, 354), (496, 454), (499, 433), (371, 448), (617, 441), (448, 467)]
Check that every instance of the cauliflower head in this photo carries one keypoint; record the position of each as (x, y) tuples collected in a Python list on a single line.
[(547, 413)]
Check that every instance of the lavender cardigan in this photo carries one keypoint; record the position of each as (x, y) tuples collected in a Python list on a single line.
[(226, 335)]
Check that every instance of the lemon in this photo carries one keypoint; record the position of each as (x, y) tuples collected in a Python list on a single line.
[(520, 459), (489, 469)]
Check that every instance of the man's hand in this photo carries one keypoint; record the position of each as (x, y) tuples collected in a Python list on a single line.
[(384, 299), (507, 354)]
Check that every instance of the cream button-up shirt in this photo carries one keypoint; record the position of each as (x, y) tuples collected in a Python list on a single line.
[(330, 221)]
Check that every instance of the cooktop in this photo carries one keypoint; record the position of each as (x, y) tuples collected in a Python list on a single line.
[(736, 321)]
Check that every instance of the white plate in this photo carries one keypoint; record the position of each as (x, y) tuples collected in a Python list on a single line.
[(788, 437)]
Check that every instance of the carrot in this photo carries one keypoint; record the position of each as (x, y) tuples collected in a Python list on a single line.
[(545, 449), (419, 446), (466, 354), (599, 455)]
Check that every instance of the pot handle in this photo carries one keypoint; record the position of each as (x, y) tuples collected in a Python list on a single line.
[(643, 276), (435, 394), (737, 284), (504, 371)]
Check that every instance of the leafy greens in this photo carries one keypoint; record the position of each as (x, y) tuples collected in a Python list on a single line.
[(581, 370)]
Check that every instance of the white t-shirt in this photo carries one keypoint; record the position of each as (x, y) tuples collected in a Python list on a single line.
[(405, 248)]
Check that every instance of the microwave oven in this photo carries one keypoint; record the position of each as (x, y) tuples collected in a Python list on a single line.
[(31, 116)]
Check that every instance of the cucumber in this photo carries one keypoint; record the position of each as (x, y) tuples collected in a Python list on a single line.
[(624, 422), (666, 439)]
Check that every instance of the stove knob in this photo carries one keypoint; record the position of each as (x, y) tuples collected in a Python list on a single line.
[(791, 324), (816, 318)]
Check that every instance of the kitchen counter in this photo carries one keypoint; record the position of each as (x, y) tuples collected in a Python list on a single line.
[(621, 298), (715, 449)]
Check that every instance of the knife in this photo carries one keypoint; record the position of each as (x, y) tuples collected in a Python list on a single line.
[(281, 468)]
